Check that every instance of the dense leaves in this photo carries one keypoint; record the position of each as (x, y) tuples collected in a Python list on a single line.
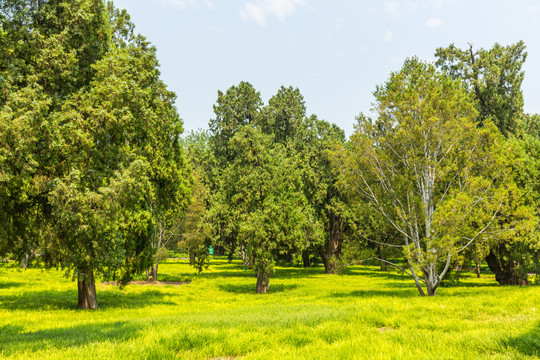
[(426, 167), (90, 149)]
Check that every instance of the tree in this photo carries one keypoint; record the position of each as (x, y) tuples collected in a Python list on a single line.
[(309, 140), (101, 161), (494, 77), (262, 193), (195, 231), (418, 165)]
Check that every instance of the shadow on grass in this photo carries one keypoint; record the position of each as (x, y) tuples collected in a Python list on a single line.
[(527, 344), (67, 300), (237, 270), (394, 293), (250, 288), (9, 284), (376, 273), (14, 339)]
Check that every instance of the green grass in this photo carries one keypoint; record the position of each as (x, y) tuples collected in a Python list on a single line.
[(364, 314)]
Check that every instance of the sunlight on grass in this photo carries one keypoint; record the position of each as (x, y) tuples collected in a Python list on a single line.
[(361, 314)]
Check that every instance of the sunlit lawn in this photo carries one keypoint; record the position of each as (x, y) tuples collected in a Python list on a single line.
[(363, 314)]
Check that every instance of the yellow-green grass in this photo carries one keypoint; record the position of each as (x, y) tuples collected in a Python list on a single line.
[(363, 314)]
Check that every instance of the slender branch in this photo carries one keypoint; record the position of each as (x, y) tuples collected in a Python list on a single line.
[(389, 263)]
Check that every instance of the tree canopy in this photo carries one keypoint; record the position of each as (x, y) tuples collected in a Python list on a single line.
[(90, 147)]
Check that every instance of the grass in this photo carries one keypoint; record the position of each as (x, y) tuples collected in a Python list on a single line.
[(364, 314)]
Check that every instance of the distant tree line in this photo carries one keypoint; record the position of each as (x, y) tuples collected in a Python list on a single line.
[(95, 177)]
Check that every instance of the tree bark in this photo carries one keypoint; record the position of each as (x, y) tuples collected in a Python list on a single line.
[(478, 268), (305, 259), (382, 255), (263, 283), (505, 271), (331, 253), (155, 271), (87, 289)]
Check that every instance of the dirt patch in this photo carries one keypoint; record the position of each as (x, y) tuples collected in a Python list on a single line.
[(385, 329), (157, 283)]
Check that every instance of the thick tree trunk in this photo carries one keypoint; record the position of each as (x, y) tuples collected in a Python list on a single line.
[(506, 272), (150, 273), (191, 258), (87, 289), (305, 259), (331, 253), (330, 263), (263, 283)]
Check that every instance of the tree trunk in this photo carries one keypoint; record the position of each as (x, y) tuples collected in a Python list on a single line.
[(331, 253), (506, 272), (478, 268), (330, 263), (305, 259), (150, 273), (417, 282), (263, 283), (382, 256), (155, 271), (87, 289)]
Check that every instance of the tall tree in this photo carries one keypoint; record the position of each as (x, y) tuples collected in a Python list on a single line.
[(309, 140), (101, 161), (493, 76), (418, 165), (262, 192)]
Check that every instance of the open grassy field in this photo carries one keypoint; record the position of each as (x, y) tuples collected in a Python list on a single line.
[(363, 314)]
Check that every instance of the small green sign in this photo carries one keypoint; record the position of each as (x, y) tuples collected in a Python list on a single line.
[(210, 250)]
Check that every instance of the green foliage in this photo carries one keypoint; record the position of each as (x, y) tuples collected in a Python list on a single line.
[(90, 149), (239, 106), (427, 169), (493, 76), (262, 192)]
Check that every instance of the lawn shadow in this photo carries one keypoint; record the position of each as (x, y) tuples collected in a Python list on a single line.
[(528, 344), (298, 272), (67, 300), (16, 340), (376, 273), (250, 288), (393, 293), (237, 270), (9, 284)]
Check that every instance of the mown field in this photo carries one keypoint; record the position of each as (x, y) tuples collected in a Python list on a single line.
[(363, 314)]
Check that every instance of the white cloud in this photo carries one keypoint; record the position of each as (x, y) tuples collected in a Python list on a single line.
[(434, 23), (388, 36), (195, 4), (391, 8), (258, 11), (339, 24)]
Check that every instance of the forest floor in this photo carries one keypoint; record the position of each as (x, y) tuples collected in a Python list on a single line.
[(362, 314)]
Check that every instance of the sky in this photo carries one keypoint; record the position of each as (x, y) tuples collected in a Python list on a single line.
[(335, 52)]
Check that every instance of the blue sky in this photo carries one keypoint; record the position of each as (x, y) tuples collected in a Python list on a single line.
[(335, 52)]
